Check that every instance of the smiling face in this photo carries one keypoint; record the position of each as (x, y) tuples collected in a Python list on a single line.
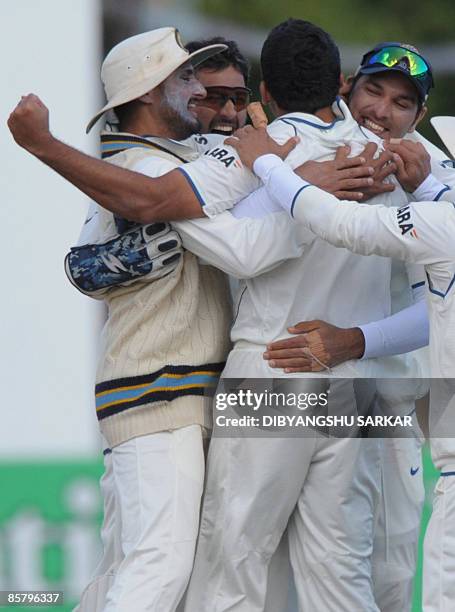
[(386, 103), (226, 119), (177, 108)]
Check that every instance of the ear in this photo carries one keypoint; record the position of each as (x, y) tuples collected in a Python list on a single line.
[(345, 85), (420, 115), (265, 95)]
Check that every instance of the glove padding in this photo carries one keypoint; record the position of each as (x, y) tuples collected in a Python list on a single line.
[(146, 252)]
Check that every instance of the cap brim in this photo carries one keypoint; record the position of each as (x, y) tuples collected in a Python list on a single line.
[(445, 128), (376, 69), (199, 56), (195, 58)]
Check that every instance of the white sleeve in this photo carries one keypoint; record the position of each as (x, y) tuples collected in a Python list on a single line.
[(431, 189), (243, 248), (446, 176), (418, 232), (219, 179), (415, 232), (402, 332), (256, 205)]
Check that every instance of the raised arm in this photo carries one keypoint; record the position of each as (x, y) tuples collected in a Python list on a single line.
[(417, 232), (244, 247), (420, 232), (176, 195), (125, 193)]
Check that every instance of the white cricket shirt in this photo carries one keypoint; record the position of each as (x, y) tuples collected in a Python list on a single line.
[(325, 282)]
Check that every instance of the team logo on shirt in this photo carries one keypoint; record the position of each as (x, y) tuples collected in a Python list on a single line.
[(224, 156), (404, 221)]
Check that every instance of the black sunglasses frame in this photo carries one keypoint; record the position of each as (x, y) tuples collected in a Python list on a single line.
[(225, 94)]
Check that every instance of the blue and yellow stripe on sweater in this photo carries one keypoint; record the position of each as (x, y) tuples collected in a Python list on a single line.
[(168, 383)]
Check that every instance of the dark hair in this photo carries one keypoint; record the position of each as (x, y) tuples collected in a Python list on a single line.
[(220, 61), (301, 66), (125, 111)]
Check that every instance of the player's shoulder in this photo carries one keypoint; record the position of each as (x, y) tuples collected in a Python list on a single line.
[(312, 126), (280, 128), (294, 124), (204, 142)]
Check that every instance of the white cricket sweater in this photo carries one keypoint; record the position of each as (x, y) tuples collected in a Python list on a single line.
[(165, 342)]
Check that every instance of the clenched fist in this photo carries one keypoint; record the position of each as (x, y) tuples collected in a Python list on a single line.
[(29, 124)]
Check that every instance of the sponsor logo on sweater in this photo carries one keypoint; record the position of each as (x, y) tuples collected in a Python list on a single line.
[(404, 221)]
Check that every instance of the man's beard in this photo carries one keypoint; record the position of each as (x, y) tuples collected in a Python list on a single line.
[(177, 116)]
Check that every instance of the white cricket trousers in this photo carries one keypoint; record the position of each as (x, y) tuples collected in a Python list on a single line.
[(326, 488), (439, 545), (93, 598), (158, 482)]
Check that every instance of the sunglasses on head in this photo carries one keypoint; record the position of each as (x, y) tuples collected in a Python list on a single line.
[(394, 55), (217, 97)]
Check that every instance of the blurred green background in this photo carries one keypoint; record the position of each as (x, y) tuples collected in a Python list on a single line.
[(360, 24), (359, 21)]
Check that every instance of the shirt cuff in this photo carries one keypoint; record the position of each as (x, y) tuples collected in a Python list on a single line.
[(374, 340), (429, 190)]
